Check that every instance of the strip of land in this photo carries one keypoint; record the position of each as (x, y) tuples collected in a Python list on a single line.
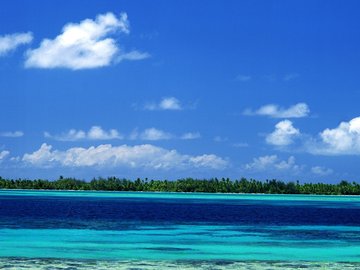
[(214, 185)]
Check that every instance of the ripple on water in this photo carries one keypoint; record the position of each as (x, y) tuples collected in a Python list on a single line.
[(56, 264)]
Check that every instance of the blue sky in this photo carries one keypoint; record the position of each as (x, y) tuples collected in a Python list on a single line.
[(168, 89)]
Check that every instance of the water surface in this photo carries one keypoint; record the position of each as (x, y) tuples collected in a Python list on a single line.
[(223, 231)]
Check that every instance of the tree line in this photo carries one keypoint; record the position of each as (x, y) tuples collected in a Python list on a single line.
[(214, 185)]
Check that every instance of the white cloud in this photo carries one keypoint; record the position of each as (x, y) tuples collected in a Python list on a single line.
[(283, 134), (190, 136), (153, 134), (296, 111), (272, 162), (133, 55), (167, 103), (9, 43), (15, 159), (97, 133), (94, 133), (322, 171), (342, 140), (262, 162), (170, 103), (138, 156), (12, 134), (208, 161), (85, 45), (243, 78), (3, 155)]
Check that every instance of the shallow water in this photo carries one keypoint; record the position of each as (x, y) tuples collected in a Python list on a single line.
[(118, 230), (56, 264)]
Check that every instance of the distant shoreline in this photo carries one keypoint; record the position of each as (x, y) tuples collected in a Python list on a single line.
[(186, 185), (181, 192)]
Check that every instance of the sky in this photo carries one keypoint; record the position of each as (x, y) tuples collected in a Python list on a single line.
[(171, 89)]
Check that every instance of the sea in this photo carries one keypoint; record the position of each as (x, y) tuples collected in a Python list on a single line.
[(150, 230)]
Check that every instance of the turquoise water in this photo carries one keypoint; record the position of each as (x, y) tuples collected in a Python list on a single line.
[(179, 195), (110, 230), (173, 243)]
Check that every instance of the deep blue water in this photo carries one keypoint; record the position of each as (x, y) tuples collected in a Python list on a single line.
[(114, 212)]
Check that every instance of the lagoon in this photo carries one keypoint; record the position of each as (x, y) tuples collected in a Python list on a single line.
[(144, 230)]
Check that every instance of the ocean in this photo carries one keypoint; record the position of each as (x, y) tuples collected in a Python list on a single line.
[(140, 230)]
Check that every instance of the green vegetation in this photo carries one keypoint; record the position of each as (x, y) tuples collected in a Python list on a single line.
[(186, 185)]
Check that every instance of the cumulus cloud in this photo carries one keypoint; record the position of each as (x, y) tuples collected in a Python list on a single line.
[(283, 134), (12, 134), (167, 103), (190, 136), (170, 103), (154, 134), (84, 45), (271, 110), (342, 140), (94, 133), (151, 134), (3, 155), (273, 162), (322, 171), (208, 161), (10, 42), (139, 156)]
